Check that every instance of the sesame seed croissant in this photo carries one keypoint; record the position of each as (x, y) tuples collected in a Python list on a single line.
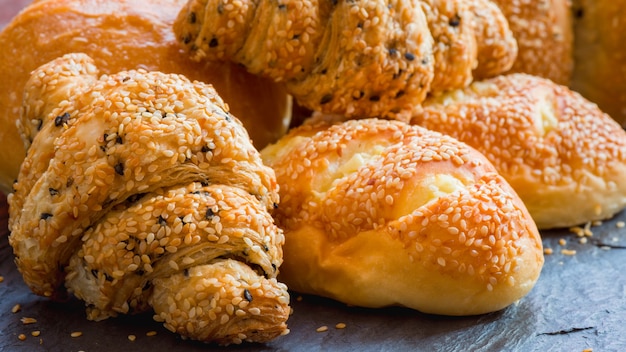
[(378, 212), (356, 58), (140, 190)]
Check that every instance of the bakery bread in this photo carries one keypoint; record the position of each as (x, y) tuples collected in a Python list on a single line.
[(141, 190), (121, 35), (378, 213), (565, 157), (543, 30), (599, 55), (355, 58)]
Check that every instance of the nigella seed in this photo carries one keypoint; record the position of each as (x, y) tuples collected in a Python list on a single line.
[(326, 99), (213, 43), (119, 140), (45, 216), (53, 192), (455, 21), (119, 169), (209, 214), (409, 56), (393, 52), (247, 295), (61, 119)]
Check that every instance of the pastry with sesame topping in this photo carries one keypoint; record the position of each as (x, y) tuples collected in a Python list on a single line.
[(141, 190), (378, 213), (563, 155), (543, 30), (355, 58)]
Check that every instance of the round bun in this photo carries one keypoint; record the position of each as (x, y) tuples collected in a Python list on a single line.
[(378, 213), (600, 69), (544, 33), (564, 157), (121, 35)]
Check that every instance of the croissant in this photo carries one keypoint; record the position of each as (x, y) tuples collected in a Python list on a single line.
[(378, 213), (356, 58), (140, 190)]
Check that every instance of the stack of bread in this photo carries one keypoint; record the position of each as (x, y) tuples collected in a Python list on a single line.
[(441, 139)]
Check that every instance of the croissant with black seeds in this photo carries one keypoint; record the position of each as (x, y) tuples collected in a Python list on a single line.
[(355, 58), (141, 191)]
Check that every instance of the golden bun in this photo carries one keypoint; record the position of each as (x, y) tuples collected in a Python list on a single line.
[(121, 35), (600, 69), (563, 155), (378, 213)]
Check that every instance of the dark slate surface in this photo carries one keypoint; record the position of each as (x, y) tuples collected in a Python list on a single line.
[(578, 303)]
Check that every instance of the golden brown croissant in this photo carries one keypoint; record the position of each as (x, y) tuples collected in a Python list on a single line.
[(356, 58), (563, 155), (378, 212), (141, 190)]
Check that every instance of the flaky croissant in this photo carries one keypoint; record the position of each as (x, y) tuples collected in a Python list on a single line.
[(141, 190), (356, 58)]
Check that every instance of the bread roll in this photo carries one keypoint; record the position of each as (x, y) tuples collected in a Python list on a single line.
[(564, 156), (140, 190), (599, 54), (378, 213), (544, 33), (120, 35)]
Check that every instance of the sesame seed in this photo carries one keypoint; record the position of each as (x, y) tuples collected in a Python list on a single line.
[(340, 326), (27, 321), (76, 334), (151, 333), (16, 308), (21, 337), (322, 328), (132, 337)]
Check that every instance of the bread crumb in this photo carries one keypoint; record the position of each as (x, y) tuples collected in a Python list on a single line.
[(132, 337), (562, 242), (620, 224), (582, 240), (322, 328), (22, 337)]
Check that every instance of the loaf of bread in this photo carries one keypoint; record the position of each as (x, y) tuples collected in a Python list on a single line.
[(378, 212), (141, 191), (563, 155), (121, 35), (355, 58), (543, 30), (599, 55)]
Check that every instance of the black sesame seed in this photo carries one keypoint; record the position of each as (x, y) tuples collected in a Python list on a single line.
[(94, 272), (393, 51), (70, 181), (205, 149), (186, 272), (282, 6), (213, 43), (192, 17), (119, 140), (247, 295), (61, 119), (53, 192), (45, 216), (324, 71), (39, 124), (119, 169), (209, 214), (187, 39), (361, 95), (409, 56), (125, 79), (134, 198), (399, 94), (108, 277), (162, 220), (455, 21), (326, 99), (374, 98)]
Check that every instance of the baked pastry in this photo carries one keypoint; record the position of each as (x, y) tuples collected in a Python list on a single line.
[(121, 35), (379, 212), (355, 58), (565, 157), (599, 56), (140, 189), (544, 32)]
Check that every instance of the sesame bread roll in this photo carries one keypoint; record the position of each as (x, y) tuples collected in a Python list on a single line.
[(544, 33), (355, 58), (599, 55), (378, 213), (139, 178), (563, 155), (121, 35)]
